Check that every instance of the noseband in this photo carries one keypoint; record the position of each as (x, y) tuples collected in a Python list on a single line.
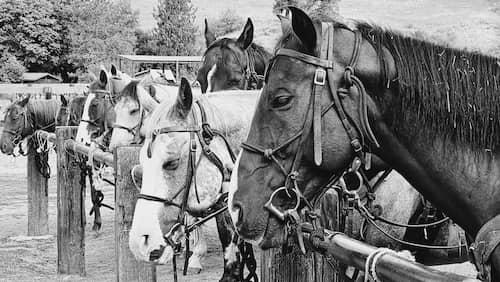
[(312, 122), (205, 134)]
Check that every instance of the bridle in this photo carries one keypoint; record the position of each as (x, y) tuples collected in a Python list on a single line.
[(250, 74), (205, 134), (312, 122), (134, 130), (27, 124)]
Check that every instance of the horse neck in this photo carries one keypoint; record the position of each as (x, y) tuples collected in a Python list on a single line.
[(42, 113), (463, 182), (230, 111)]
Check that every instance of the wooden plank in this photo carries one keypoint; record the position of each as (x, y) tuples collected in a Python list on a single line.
[(38, 199), (294, 266), (70, 209), (127, 267)]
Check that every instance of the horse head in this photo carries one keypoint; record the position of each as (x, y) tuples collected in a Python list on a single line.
[(17, 125), (297, 119), (98, 115), (63, 113), (131, 108), (177, 176), (230, 63)]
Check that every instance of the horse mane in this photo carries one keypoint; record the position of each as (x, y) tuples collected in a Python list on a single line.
[(42, 112), (444, 90), (131, 90)]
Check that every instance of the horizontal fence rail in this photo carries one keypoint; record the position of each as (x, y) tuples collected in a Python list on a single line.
[(388, 267)]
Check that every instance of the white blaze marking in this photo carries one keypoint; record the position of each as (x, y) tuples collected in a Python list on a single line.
[(209, 77), (83, 134), (233, 187)]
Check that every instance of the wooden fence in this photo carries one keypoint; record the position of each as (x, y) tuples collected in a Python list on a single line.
[(275, 266)]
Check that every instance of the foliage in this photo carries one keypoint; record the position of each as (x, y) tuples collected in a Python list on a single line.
[(228, 22), (101, 29), (11, 70), (31, 31), (175, 31), (146, 43)]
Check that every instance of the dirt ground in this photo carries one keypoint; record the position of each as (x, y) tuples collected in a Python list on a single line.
[(35, 259)]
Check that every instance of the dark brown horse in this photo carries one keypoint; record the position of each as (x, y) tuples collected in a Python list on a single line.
[(71, 111), (23, 118), (332, 95), (230, 63)]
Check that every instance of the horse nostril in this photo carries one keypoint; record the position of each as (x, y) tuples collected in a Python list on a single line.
[(146, 237)]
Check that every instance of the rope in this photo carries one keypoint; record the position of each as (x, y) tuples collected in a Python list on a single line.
[(375, 256)]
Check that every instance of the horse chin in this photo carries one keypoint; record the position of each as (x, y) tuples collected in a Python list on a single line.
[(275, 235)]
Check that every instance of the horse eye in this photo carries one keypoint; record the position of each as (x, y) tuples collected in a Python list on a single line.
[(171, 164), (281, 101), (134, 111)]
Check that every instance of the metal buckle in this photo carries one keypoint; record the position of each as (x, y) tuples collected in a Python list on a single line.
[(282, 215), (192, 145), (320, 76)]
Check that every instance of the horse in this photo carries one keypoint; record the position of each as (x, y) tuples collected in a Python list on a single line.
[(230, 63), (23, 118), (71, 111), (334, 95), (171, 148), (98, 115)]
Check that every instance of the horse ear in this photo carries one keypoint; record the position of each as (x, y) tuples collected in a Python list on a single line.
[(64, 101), (24, 101), (209, 36), (92, 76), (303, 27), (246, 36), (103, 77), (184, 98), (113, 70), (284, 17)]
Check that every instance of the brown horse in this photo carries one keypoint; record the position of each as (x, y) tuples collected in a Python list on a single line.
[(230, 63), (333, 95), (23, 118)]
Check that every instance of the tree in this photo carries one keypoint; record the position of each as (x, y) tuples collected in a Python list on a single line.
[(30, 31), (146, 43), (175, 29), (11, 70), (319, 9), (101, 29)]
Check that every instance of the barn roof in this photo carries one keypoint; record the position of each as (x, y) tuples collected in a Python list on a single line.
[(160, 59), (35, 76)]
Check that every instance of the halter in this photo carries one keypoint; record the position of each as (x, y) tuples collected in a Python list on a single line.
[(205, 134), (134, 130), (312, 122)]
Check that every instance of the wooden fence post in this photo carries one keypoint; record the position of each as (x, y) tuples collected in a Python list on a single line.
[(127, 267), (294, 266), (38, 199), (70, 208)]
